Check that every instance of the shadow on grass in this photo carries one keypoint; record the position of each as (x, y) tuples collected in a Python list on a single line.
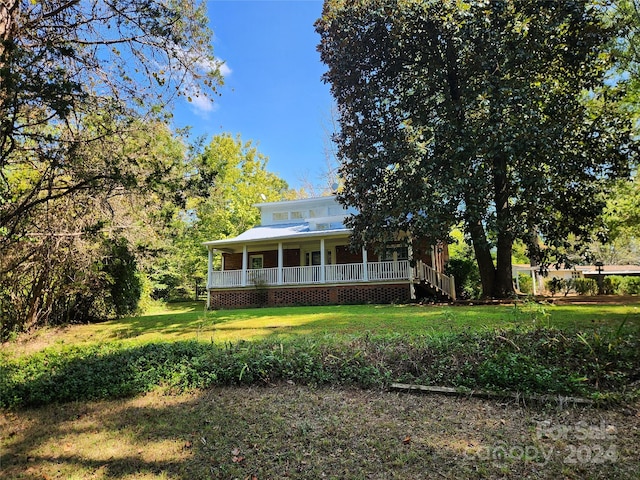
[(250, 324), (297, 432)]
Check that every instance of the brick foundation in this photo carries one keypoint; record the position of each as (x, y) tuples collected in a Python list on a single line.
[(320, 295)]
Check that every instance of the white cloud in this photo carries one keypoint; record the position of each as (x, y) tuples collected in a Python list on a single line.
[(202, 105)]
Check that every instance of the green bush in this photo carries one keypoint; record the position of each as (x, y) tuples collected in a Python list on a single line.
[(630, 286), (526, 283), (467, 277), (538, 360), (585, 286), (611, 284)]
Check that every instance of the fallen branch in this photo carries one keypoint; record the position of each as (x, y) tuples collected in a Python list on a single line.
[(560, 399)]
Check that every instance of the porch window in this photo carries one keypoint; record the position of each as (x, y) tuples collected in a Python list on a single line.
[(297, 215), (313, 258), (256, 261), (401, 253), (278, 216)]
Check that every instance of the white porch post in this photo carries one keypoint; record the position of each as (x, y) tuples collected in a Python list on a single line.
[(365, 268), (209, 277), (412, 273), (210, 268), (280, 262), (245, 261), (533, 281), (322, 261), (433, 257)]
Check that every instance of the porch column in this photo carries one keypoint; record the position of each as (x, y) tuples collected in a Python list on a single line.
[(245, 261), (365, 268), (209, 277), (412, 273), (210, 268), (280, 262), (433, 257), (322, 261), (533, 281)]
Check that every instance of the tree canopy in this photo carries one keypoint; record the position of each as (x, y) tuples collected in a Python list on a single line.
[(503, 115), (84, 150), (226, 179), (74, 76)]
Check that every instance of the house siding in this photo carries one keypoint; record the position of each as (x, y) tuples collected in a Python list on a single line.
[(324, 295), (290, 258)]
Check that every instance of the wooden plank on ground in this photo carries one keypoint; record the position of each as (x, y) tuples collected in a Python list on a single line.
[(558, 399)]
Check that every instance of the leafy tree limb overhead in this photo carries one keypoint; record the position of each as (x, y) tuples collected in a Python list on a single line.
[(501, 114), (74, 74)]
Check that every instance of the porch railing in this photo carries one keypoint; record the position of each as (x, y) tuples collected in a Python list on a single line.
[(439, 281), (343, 273)]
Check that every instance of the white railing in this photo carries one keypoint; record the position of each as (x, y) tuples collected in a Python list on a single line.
[(300, 275), (389, 270), (349, 272), (440, 281), (262, 276), (344, 273), (229, 278)]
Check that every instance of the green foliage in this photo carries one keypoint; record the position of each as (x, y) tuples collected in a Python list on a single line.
[(477, 112), (467, 277), (122, 277), (555, 285), (539, 360), (629, 286), (85, 153), (526, 283), (611, 284), (585, 286), (228, 177)]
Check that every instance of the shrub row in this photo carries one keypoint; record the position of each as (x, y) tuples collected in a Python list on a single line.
[(541, 360), (611, 285)]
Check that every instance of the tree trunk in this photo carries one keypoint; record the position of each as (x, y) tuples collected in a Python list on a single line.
[(483, 256), (503, 286), (8, 24)]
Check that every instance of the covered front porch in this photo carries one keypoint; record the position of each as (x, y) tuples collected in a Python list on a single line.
[(288, 264)]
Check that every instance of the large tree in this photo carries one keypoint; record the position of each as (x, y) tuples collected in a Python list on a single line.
[(498, 113), (226, 179), (74, 257), (73, 75), (83, 86)]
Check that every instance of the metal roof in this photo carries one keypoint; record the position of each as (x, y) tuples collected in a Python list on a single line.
[(262, 233)]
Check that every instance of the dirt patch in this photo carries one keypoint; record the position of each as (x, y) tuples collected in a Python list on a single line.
[(289, 431)]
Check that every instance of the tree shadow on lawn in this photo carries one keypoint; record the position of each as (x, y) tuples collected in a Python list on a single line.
[(303, 432), (233, 325)]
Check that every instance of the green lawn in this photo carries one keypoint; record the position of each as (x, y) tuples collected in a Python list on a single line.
[(190, 321), (133, 398)]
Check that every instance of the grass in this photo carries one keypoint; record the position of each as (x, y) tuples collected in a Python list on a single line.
[(190, 321), (290, 431), (288, 407)]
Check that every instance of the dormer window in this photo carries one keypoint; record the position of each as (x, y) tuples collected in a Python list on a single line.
[(280, 216)]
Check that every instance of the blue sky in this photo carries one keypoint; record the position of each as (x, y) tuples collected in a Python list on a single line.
[(273, 92)]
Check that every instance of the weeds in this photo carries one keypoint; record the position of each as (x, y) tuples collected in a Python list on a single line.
[(533, 360)]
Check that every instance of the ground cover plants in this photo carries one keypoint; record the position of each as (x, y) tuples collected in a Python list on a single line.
[(515, 348), (302, 393)]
